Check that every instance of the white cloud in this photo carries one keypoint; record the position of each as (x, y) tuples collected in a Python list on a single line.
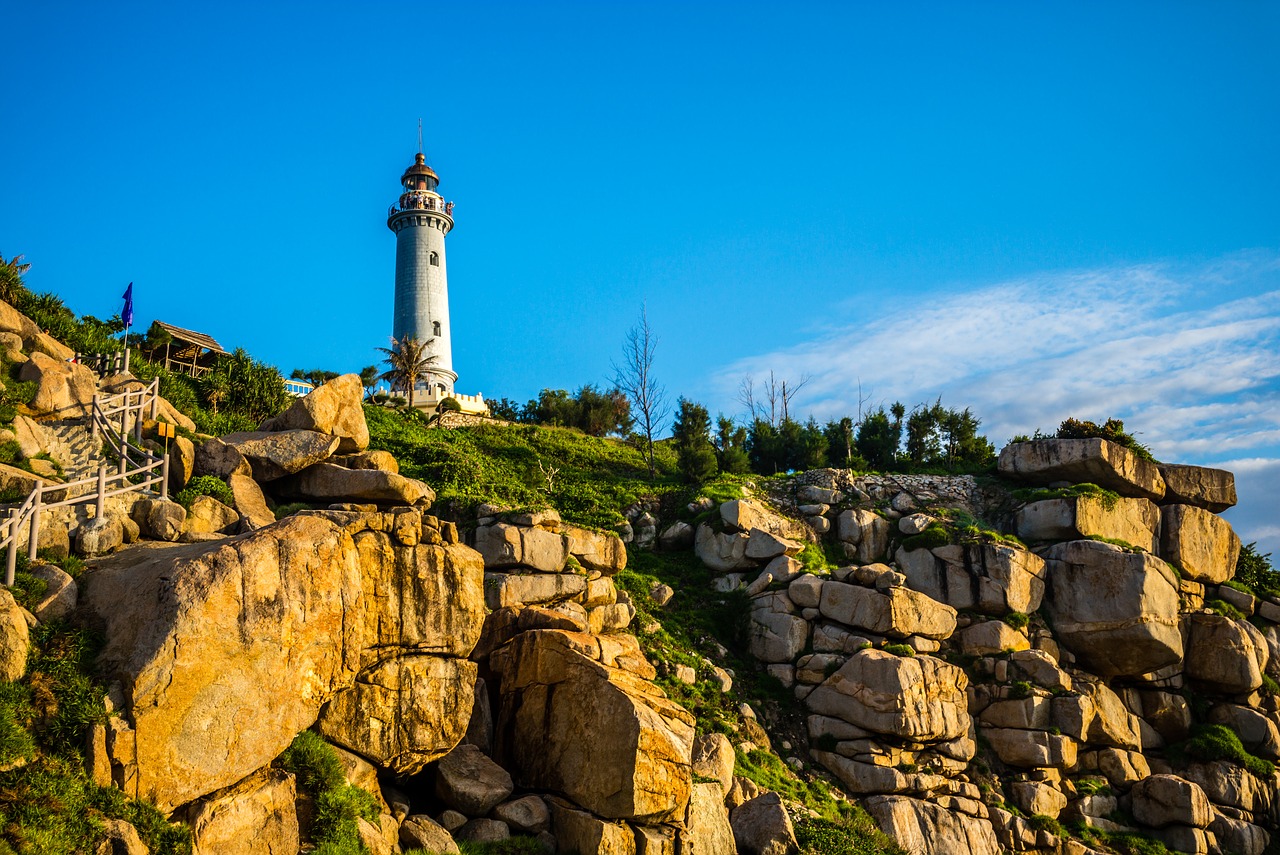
[(1189, 358)]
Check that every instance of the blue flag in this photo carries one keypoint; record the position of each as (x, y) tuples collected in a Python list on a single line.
[(127, 314)]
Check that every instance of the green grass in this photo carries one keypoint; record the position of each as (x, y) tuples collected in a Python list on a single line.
[(953, 525), (899, 649), (1269, 685), (338, 804), (1222, 607), (1115, 541), (50, 806), (589, 480), (1219, 742), (1120, 842), (858, 835), (1093, 787), (1108, 499), (1044, 822), (1017, 620)]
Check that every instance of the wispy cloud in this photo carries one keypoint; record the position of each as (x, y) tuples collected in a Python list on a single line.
[(1188, 357)]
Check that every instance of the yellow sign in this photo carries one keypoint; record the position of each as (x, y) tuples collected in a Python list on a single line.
[(165, 430)]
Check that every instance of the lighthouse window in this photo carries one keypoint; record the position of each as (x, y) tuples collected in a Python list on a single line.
[(435, 259), (436, 328)]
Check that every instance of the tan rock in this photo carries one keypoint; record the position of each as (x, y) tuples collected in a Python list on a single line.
[(47, 345), (120, 838), (1211, 489), (1135, 521), (209, 516), (325, 482), (99, 536), (722, 551), (713, 757), (470, 782), (13, 321), (403, 713), (30, 436), (745, 514), (182, 458), (335, 408), (1117, 611), (1221, 655), (1036, 797), (159, 519), (63, 389), (992, 578), (1230, 785), (371, 459), (1112, 723), (897, 612), (1163, 800), (420, 831), (504, 545), (601, 551), (194, 635), (514, 589), (707, 822), (923, 828), (15, 638), (275, 455), (60, 595), (167, 412), (22, 482), (776, 633), (250, 502), (762, 826), (582, 832), (866, 532), (604, 737), (990, 636), (257, 816), (1030, 749), (1079, 461), (1199, 542), (525, 815), (913, 697), (217, 458)]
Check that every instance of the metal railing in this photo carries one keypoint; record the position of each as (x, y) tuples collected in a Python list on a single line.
[(137, 469)]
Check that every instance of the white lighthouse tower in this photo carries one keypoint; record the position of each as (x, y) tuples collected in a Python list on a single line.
[(420, 220)]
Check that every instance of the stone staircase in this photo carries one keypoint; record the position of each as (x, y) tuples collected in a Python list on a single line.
[(72, 445)]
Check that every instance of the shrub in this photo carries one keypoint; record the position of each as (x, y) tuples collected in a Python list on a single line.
[(1219, 742), (205, 485), (1044, 822), (1017, 620), (1222, 607), (1019, 690), (933, 536), (283, 511), (338, 804), (899, 649), (1111, 430), (1254, 571), (1107, 498)]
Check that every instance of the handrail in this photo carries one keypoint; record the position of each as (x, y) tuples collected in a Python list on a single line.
[(116, 437)]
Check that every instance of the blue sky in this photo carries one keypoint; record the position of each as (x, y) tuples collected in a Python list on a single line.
[(1036, 210)]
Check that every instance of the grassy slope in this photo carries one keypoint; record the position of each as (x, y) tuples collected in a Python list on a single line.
[(595, 479)]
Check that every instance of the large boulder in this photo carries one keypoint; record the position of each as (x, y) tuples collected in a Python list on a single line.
[(1117, 611), (250, 502), (220, 459), (722, 551), (1222, 655), (776, 633), (275, 455), (762, 826), (1080, 461), (194, 634), (1211, 489), (605, 737), (63, 389), (1163, 800), (15, 638), (864, 533), (258, 816), (596, 550), (336, 408), (468, 781), (911, 697), (325, 482), (1202, 543), (897, 612), (582, 832), (745, 514), (992, 578), (1135, 521), (707, 822), (209, 516), (504, 545), (924, 828)]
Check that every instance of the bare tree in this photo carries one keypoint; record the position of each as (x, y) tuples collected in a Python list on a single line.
[(635, 378), (786, 394), (747, 398), (776, 394)]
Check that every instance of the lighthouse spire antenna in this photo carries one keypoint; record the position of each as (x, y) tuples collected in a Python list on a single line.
[(419, 136)]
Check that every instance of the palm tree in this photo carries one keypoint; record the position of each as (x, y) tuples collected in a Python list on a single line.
[(12, 289), (409, 361)]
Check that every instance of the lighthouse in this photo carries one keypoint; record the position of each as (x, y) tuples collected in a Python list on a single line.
[(420, 220)]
